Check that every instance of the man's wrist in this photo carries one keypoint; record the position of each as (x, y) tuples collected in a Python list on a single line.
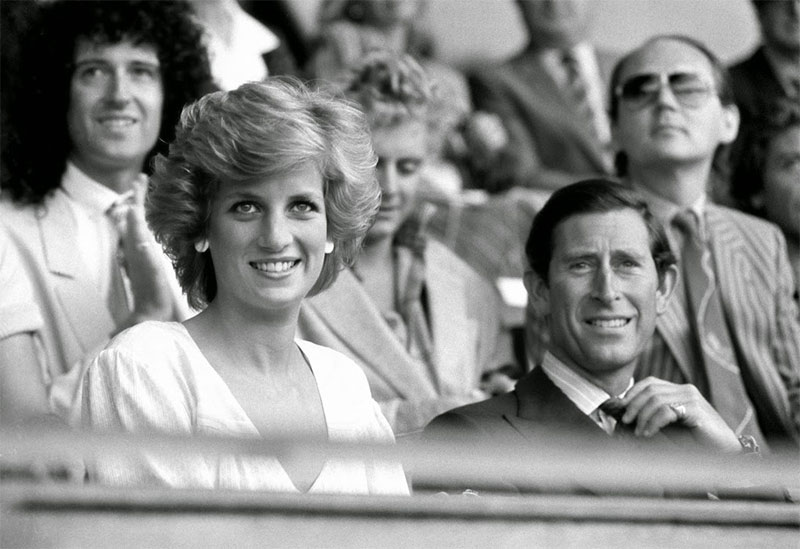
[(749, 446)]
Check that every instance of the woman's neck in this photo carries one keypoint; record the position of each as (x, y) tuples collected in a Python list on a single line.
[(247, 337)]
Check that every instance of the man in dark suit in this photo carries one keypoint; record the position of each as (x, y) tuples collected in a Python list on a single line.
[(731, 329), (772, 72), (551, 98), (601, 271)]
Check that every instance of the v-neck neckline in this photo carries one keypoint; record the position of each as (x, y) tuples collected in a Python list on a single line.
[(242, 414)]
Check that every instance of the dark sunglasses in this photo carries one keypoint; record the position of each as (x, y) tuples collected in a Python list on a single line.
[(638, 91)]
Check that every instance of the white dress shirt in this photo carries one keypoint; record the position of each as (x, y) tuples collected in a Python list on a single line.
[(584, 394)]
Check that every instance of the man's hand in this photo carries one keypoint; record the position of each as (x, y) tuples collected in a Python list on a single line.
[(143, 263), (653, 404)]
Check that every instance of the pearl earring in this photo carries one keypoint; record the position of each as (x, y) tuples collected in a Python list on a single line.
[(201, 245), (328, 247)]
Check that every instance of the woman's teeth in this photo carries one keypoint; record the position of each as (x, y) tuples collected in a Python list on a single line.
[(273, 266)]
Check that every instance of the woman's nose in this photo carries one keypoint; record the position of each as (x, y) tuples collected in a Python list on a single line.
[(275, 234)]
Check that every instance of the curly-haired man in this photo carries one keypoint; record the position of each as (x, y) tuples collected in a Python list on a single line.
[(105, 84)]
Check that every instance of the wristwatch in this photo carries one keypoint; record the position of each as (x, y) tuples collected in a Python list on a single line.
[(749, 446)]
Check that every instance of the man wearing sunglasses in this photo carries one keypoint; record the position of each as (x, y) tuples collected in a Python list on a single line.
[(731, 328)]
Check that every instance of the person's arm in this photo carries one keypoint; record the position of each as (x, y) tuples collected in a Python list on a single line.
[(23, 391), (23, 395)]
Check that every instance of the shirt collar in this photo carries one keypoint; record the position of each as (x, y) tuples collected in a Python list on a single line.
[(583, 393), (86, 191), (664, 210)]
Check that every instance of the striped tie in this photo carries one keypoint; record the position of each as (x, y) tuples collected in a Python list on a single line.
[(726, 388)]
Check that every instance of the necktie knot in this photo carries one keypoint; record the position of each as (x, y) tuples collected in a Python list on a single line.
[(575, 80), (613, 408), (686, 221)]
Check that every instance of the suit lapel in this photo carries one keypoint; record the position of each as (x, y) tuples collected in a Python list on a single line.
[(540, 87), (727, 246), (672, 326), (350, 314), (80, 301), (545, 409)]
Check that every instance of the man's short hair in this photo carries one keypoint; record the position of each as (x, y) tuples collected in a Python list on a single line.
[(587, 197), (48, 60)]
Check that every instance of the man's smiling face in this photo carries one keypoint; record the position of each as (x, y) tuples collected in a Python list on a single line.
[(603, 293), (116, 99)]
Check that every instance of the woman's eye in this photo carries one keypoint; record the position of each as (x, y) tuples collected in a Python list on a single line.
[(244, 208), (305, 207)]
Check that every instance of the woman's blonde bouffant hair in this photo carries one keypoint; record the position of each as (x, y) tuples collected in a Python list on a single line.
[(262, 129)]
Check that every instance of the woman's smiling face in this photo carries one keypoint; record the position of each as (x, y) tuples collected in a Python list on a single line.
[(267, 238)]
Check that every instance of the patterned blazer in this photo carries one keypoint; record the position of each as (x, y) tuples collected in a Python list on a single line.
[(465, 322), (756, 287), (548, 140)]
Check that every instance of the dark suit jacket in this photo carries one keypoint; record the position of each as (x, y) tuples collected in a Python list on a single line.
[(755, 85), (549, 143), (527, 418), (756, 88)]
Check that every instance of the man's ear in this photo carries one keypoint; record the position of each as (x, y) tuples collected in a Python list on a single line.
[(730, 124), (538, 293), (665, 288)]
